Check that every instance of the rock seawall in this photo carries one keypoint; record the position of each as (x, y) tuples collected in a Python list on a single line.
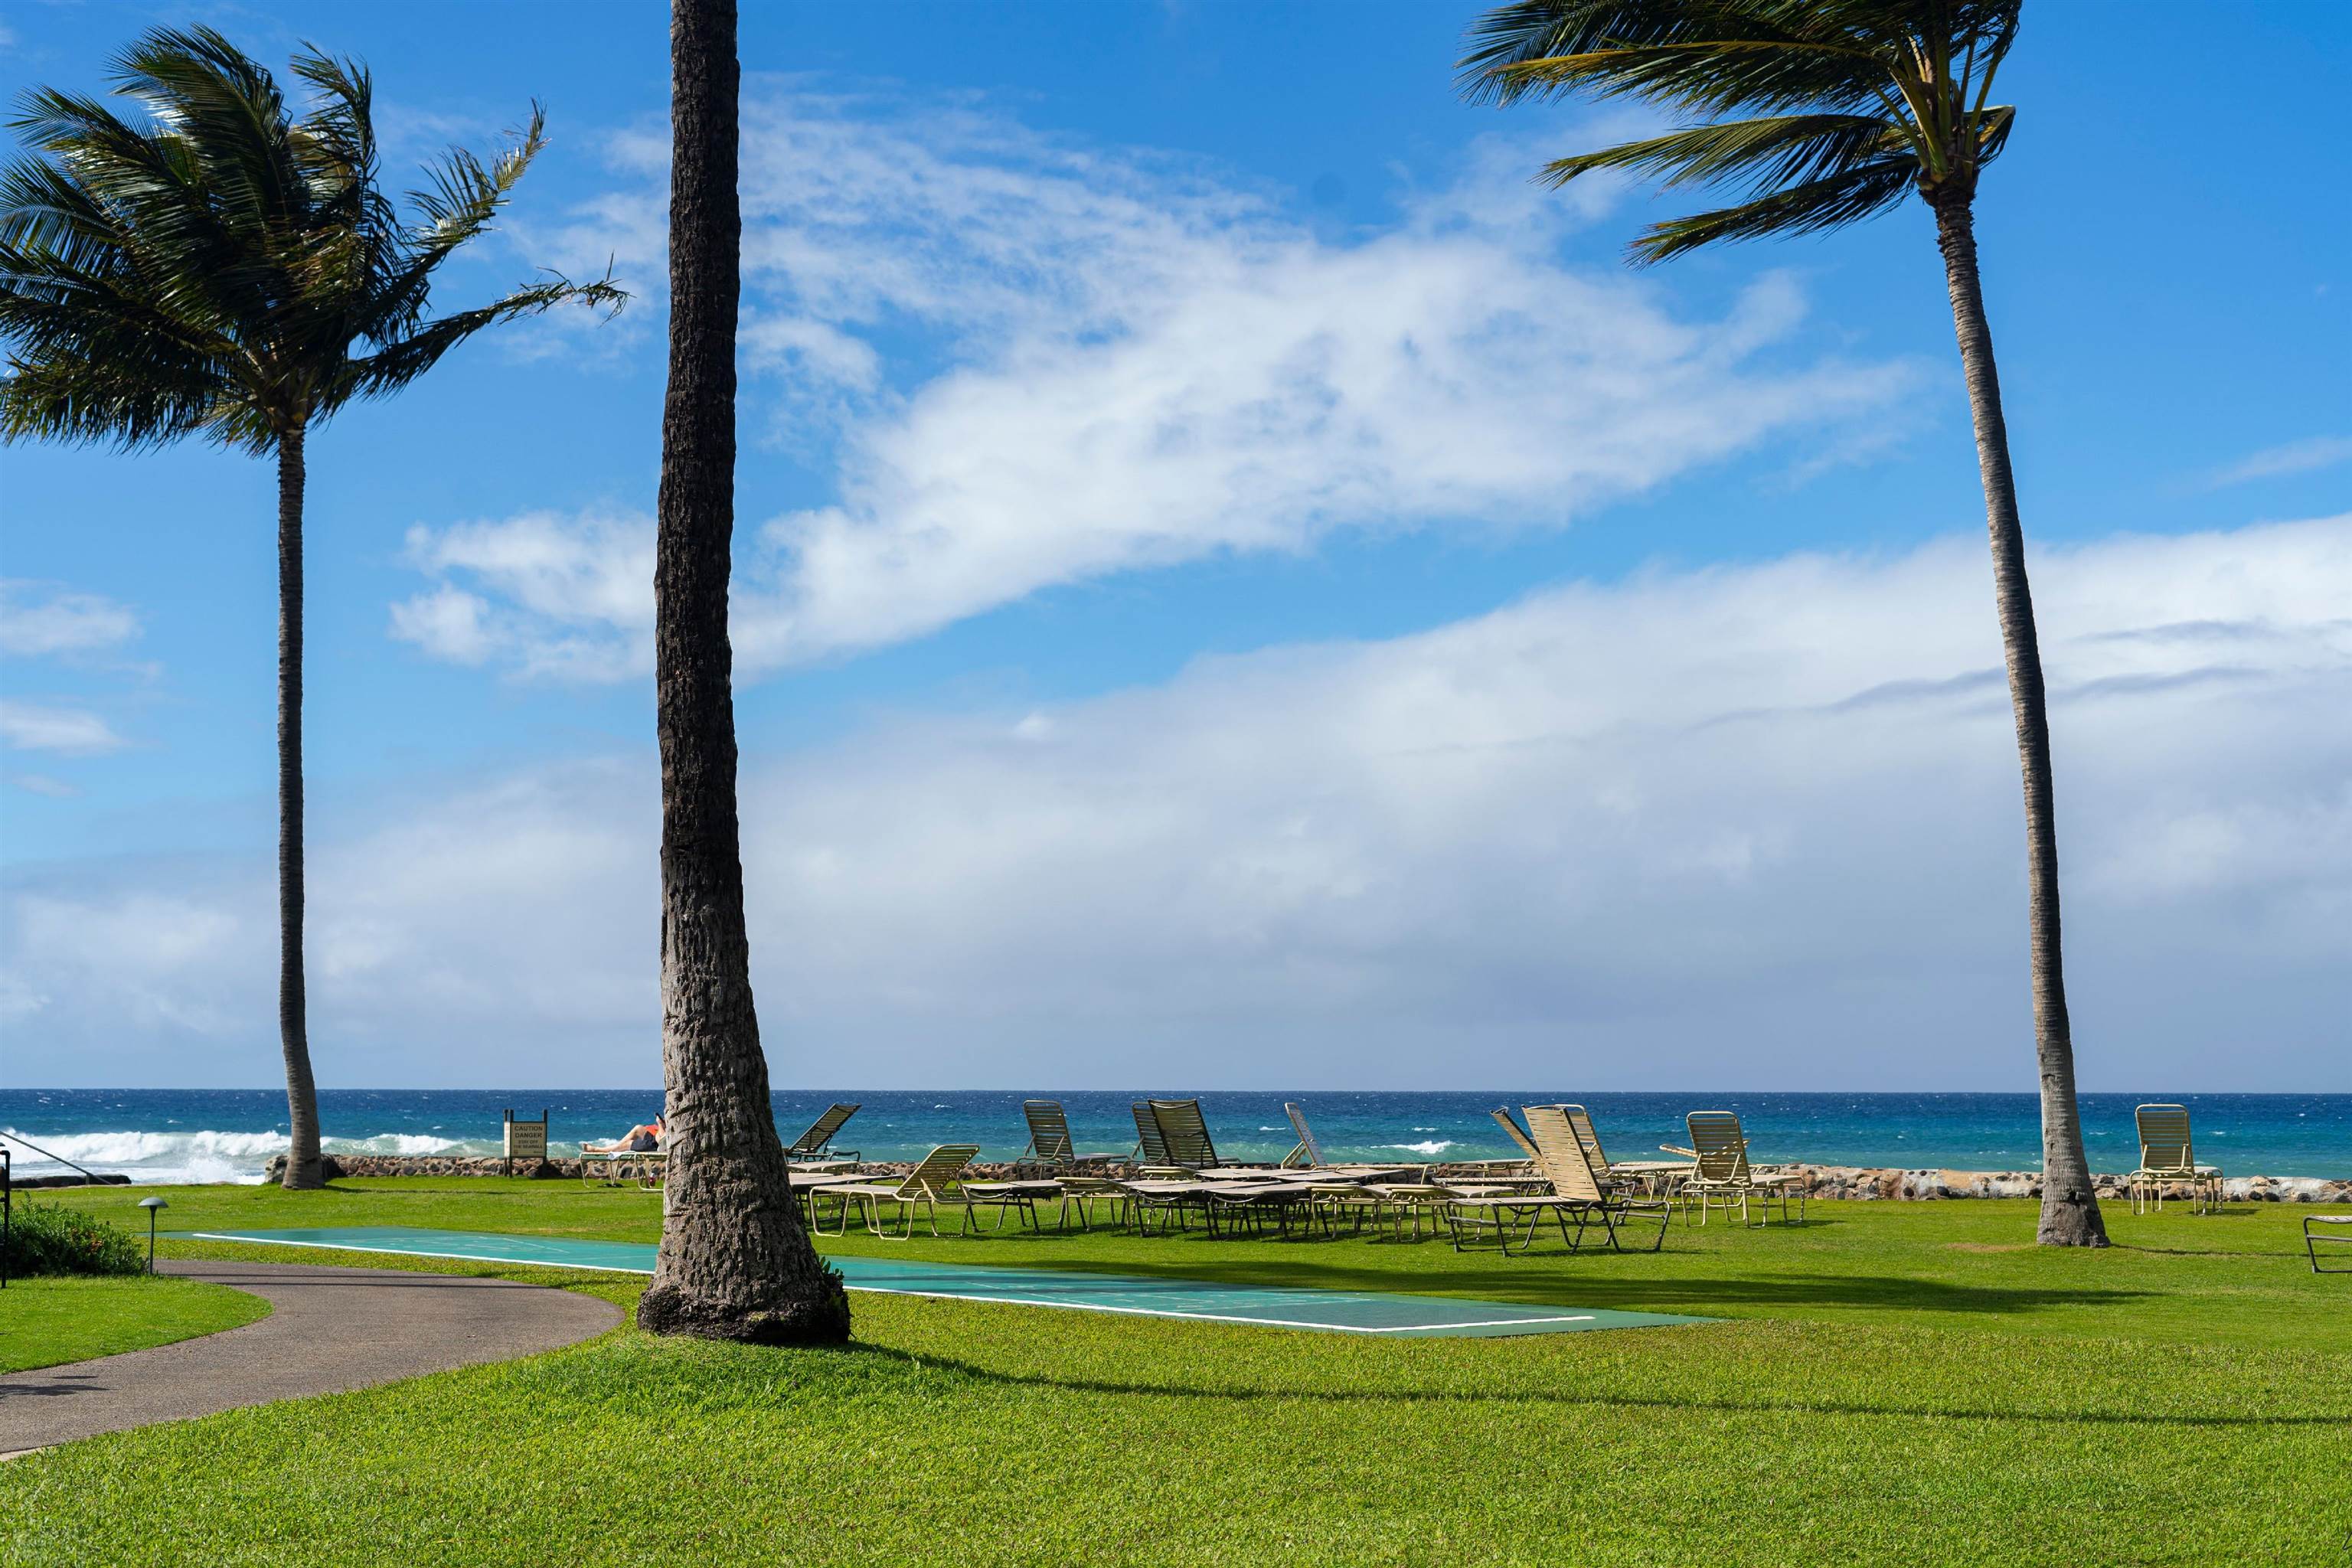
[(1822, 1180)]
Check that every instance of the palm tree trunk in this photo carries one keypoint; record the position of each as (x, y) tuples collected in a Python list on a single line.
[(2069, 1205), (735, 1262), (302, 1168)]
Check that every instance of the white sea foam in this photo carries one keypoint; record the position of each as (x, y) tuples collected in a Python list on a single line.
[(1432, 1148), (211, 1156), (204, 1156)]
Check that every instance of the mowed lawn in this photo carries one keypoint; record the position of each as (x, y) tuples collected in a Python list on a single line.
[(1889, 1383), (49, 1320)]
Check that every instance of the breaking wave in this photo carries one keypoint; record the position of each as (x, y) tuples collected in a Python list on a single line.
[(1432, 1147)]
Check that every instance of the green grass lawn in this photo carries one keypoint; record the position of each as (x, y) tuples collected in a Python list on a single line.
[(1892, 1383), (49, 1320)]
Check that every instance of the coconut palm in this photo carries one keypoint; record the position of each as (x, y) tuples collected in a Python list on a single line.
[(1853, 105), (226, 267), (735, 1262)]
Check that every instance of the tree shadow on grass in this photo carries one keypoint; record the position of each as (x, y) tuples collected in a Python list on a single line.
[(1519, 1282), (932, 1361)]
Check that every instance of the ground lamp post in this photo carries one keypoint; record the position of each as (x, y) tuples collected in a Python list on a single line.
[(151, 1205)]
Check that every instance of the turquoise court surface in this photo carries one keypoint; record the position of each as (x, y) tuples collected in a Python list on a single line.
[(1335, 1311)]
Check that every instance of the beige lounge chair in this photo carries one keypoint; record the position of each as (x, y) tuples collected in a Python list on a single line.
[(925, 1188), (1050, 1144), (1306, 1160), (2166, 1160), (613, 1166), (1658, 1178), (1722, 1176), (1150, 1143), (817, 1144), (2313, 1239), (1578, 1192)]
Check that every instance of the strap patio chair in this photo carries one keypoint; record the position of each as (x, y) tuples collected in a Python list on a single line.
[(926, 1187), (2313, 1240), (1308, 1160), (1050, 1144), (2168, 1160), (1150, 1143), (1722, 1174), (817, 1144)]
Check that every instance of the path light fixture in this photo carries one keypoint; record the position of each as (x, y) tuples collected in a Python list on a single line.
[(151, 1205)]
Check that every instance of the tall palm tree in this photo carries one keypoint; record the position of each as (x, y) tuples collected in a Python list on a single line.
[(1855, 104), (228, 269), (734, 1263)]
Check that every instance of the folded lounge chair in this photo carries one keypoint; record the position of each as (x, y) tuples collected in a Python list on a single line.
[(2167, 1159), (927, 1187), (1722, 1174), (817, 1144), (1307, 1159)]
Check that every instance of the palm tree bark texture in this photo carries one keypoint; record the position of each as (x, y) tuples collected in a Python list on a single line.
[(2069, 1212), (302, 1167), (735, 1261)]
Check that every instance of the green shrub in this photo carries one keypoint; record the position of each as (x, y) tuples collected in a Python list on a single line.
[(44, 1240)]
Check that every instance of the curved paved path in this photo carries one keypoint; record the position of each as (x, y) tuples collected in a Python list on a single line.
[(328, 1329)]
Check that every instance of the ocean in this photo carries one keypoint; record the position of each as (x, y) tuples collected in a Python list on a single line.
[(228, 1135)]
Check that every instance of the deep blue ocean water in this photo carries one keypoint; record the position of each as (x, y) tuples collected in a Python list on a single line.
[(225, 1135)]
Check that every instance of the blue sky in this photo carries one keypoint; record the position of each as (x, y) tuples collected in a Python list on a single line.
[(1151, 390)]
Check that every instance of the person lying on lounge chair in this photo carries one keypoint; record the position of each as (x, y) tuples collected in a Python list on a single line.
[(642, 1139)]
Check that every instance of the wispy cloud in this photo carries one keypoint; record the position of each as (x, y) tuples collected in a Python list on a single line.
[(2294, 457), (1127, 361), (69, 731), (38, 618), (1762, 812)]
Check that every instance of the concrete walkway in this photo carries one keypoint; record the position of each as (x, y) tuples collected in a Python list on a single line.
[(328, 1329)]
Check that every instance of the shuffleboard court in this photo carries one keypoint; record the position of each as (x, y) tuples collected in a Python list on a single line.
[(1334, 1311)]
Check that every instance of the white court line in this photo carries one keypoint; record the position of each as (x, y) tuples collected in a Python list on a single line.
[(932, 1295)]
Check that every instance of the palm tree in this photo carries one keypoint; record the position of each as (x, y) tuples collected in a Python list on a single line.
[(230, 269), (1855, 104), (734, 1263)]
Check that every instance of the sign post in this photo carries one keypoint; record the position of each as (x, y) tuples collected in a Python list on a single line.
[(526, 1139)]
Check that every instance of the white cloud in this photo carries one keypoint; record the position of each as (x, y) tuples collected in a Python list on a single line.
[(2293, 457), (1750, 826), (42, 784), (1126, 362), (42, 618), (41, 727)]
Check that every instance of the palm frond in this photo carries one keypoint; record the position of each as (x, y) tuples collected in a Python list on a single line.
[(1832, 202), (1779, 150), (401, 361)]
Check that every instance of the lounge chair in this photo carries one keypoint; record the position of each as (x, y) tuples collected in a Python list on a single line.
[(1578, 1192), (1185, 1133), (1722, 1176), (927, 1186), (817, 1144), (613, 1166), (2166, 1160), (1150, 1143), (1306, 1159), (1050, 1144), (2312, 1239), (1658, 1177)]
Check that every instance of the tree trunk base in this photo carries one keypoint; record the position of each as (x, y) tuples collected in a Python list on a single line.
[(823, 1320), (2071, 1219), (309, 1176)]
